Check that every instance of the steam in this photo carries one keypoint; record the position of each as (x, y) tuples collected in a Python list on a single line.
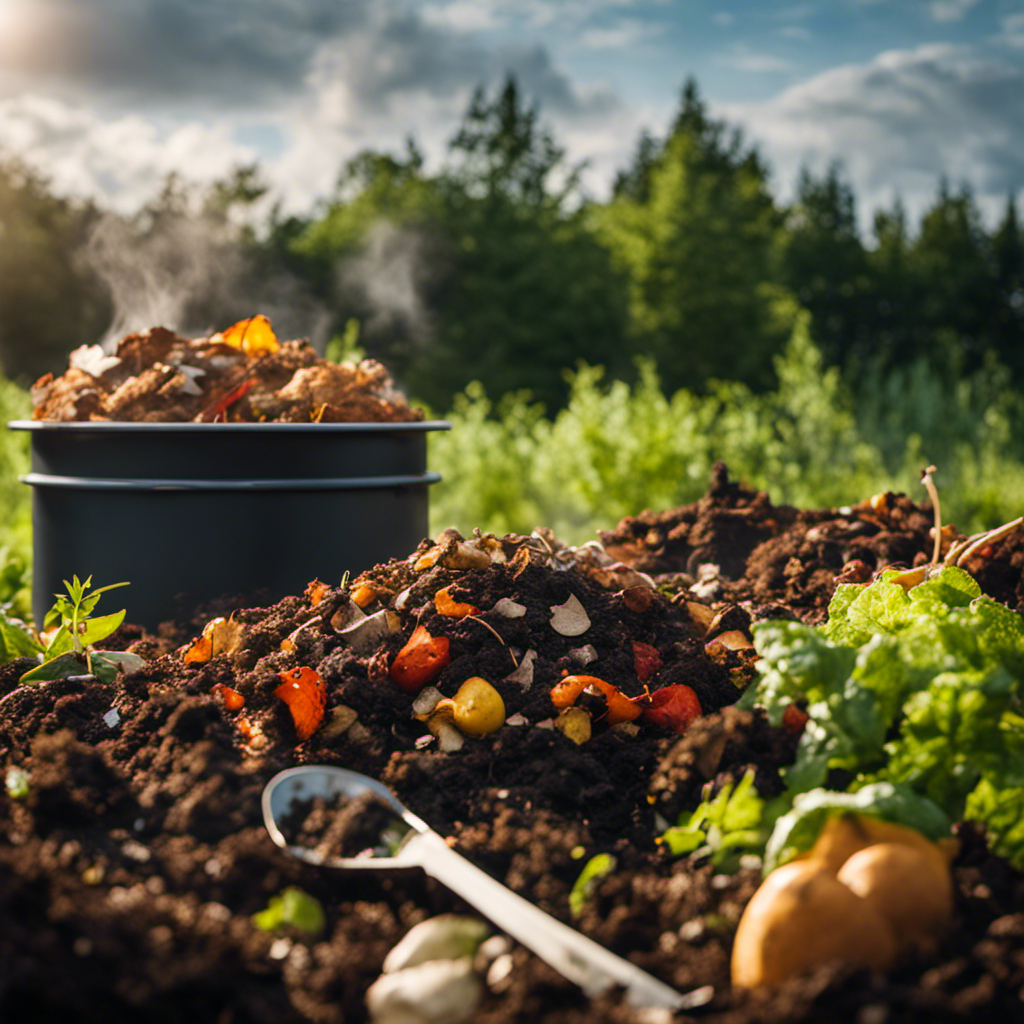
[(389, 276), (191, 273)]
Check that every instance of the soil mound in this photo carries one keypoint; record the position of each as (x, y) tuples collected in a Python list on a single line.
[(133, 855)]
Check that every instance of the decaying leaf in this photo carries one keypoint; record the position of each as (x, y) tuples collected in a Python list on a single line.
[(523, 672), (304, 692), (219, 636), (341, 719), (570, 618), (253, 336), (574, 723), (365, 634), (509, 609)]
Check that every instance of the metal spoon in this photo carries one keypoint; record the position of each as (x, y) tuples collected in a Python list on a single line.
[(573, 955)]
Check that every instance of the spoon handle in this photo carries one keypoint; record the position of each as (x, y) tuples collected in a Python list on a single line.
[(573, 955)]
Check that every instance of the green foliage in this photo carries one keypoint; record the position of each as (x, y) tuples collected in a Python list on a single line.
[(49, 303), (15, 498), (695, 236), (615, 449), (70, 650), (292, 910), (732, 823), (593, 871), (919, 691)]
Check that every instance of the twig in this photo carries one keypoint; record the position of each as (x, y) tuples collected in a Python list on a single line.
[(501, 639), (926, 479)]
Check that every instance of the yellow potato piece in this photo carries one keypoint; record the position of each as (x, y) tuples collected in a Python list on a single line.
[(845, 834), (907, 887), (802, 916)]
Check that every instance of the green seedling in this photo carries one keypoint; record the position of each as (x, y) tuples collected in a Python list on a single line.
[(70, 651), (17, 780), (293, 910)]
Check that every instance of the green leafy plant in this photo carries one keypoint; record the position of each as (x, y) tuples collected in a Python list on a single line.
[(732, 823), (293, 909), (918, 692), (593, 871), (70, 650)]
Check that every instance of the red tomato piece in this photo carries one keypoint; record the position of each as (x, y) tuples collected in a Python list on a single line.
[(646, 660), (304, 692), (794, 720), (420, 661), (673, 707)]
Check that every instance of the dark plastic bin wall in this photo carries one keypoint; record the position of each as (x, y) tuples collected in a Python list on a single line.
[(179, 548), (229, 454)]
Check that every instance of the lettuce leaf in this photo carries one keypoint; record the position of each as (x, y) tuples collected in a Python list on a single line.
[(918, 689)]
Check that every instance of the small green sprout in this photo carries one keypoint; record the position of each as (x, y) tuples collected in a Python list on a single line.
[(292, 909), (17, 783), (593, 871), (69, 651)]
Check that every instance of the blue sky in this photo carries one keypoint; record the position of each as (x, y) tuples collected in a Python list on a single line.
[(109, 96)]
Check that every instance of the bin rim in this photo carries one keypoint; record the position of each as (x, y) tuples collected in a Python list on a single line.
[(298, 484), (119, 426)]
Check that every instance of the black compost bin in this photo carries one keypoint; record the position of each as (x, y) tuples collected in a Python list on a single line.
[(190, 512)]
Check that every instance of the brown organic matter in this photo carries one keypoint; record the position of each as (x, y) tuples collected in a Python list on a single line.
[(130, 872)]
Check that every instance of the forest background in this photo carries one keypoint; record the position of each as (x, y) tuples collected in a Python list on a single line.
[(595, 358)]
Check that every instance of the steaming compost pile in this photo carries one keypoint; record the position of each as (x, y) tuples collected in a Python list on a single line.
[(241, 375), (554, 711)]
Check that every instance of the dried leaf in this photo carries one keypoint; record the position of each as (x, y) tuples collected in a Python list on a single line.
[(509, 609), (570, 618), (219, 636), (304, 692), (253, 336)]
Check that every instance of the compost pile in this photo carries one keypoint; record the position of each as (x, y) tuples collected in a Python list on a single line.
[(136, 875), (241, 375)]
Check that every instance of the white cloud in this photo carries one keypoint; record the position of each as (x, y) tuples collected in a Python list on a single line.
[(626, 33), (899, 123), (742, 58), (120, 161), (950, 10), (1013, 29)]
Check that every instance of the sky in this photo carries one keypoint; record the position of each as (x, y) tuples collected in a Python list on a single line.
[(106, 97)]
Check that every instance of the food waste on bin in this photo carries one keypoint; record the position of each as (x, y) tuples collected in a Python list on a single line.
[(241, 375)]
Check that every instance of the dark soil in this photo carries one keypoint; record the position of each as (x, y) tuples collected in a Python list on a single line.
[(130, 872)]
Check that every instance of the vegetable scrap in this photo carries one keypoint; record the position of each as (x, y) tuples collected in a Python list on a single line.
[(304, 692), (241, 375)]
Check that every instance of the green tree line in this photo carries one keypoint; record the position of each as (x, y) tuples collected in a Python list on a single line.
[(499, 267)]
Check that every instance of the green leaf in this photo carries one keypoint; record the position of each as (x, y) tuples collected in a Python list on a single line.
[(593, 871), (734, 822), (292, 909), (16, 641), (62, 667), (100, 628), (1001, 810), (105, 664)]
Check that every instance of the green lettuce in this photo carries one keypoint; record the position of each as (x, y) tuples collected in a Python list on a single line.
[(918, 690)]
